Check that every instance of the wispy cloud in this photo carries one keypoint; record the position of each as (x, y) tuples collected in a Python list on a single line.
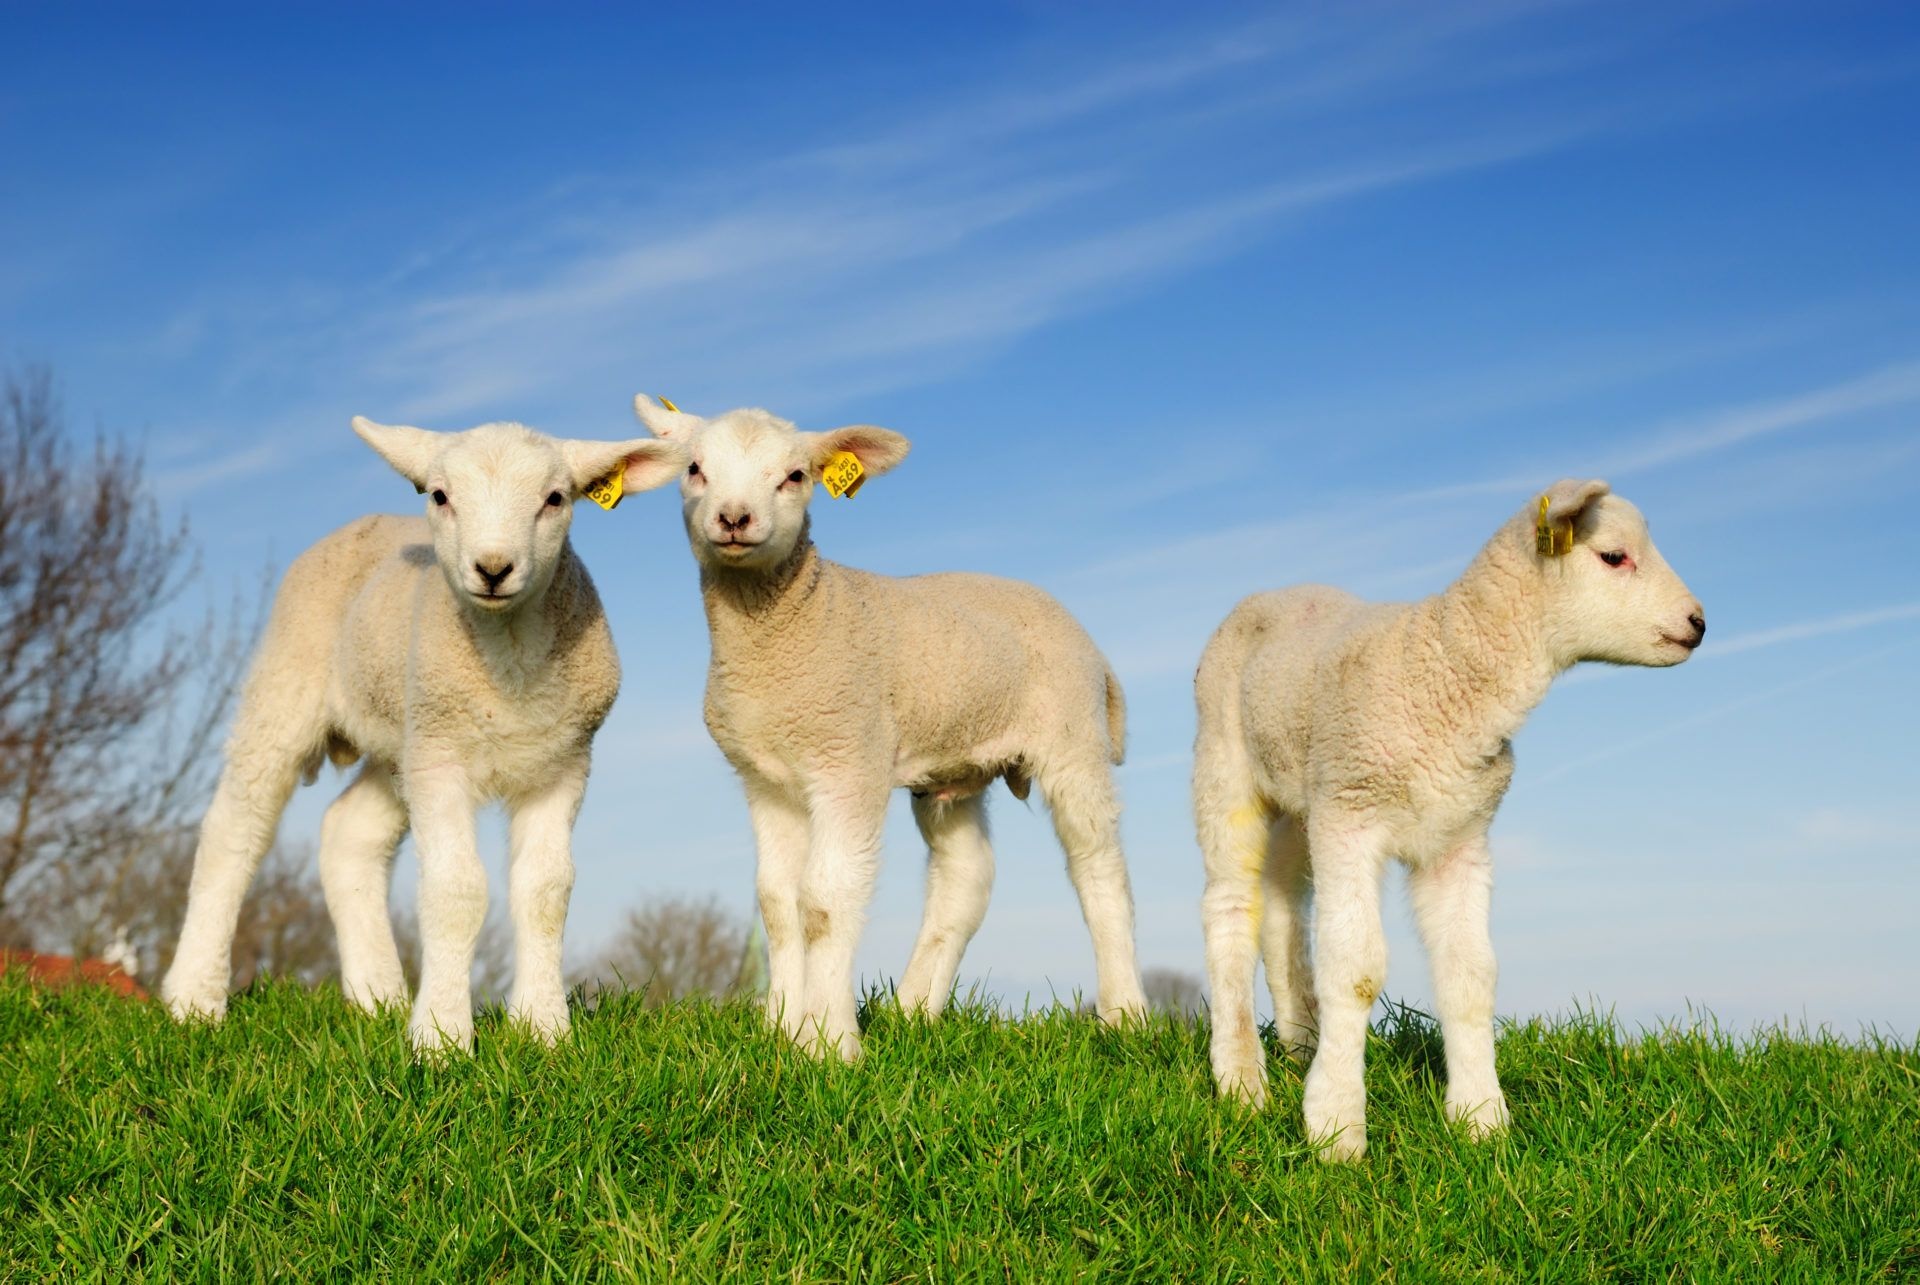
[(1846, 623), (1765, 695), (848, 267), (1832, 827), (176, 482), (1889, 386), (1714, 431)]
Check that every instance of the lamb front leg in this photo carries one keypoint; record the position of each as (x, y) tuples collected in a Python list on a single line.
[(842, 866), (539, 886), (453, 905), (781, 837), (1451, 902)]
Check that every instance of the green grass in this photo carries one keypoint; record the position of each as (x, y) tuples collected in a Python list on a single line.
[(300, 1140)]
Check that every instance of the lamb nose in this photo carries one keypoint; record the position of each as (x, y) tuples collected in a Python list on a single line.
[(1699, 623), (495, 574)]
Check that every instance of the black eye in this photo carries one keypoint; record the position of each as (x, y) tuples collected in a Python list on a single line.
[(796, 476), (693, 470), (440, 498), (1614, 558), (555, 499)]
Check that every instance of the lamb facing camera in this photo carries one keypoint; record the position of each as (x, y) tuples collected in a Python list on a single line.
[(1335, 734), (831, 687), (463, 657)]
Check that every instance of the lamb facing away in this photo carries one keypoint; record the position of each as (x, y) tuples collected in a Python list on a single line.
[(1334, 734), (829, 687), (484, 678)]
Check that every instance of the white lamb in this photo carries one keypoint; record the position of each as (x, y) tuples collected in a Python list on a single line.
[(482, 677), (830, 687), (1335, 734)]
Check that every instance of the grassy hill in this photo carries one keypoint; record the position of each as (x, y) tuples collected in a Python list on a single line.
[(300, 1140)]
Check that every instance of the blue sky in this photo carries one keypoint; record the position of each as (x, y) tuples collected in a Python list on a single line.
[(1176, 303)]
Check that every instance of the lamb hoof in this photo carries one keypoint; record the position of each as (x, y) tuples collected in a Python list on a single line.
[(434, 1038), (1246, 1085), (1124, 1012), (1336, 1117), (190, 1003), (1345, 1147), (916, 1001), (375, 996), (1483, 1116), (1298, 1040), (545, 1022), (829, 1046)]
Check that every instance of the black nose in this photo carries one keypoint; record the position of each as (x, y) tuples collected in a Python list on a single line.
[(1699, 623), (736, 522), (493, 575)]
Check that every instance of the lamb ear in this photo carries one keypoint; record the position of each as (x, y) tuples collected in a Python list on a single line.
[(1568, 498), (674, 425), (1551, 517), (411, 451), (646, 462), (877, 449)]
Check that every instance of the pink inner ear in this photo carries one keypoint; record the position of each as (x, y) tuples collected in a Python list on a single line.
[(1569, 504), (649, 468), (876, 449)]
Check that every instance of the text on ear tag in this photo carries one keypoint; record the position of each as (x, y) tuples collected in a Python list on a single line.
[(669, 405), (607, 491), (843, 474), (1552, 539)]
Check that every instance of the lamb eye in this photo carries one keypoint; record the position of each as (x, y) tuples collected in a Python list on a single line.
[(693, 470), (555, 499), (796, 476), (440, 498), (1614, 558)]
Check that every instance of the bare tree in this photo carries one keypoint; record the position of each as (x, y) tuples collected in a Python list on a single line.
[(674, 948), (109, 715), (108, 709), (1173, 992)]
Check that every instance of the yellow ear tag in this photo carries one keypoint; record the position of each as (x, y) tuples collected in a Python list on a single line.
[(669, 405), (1551, 540), (607, 491), (843, 474)]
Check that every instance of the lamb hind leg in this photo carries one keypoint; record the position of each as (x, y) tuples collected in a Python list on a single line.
[(1086, 817), (1286, 943), (959, 882), (1349, 967), (1232, 827), (358, 837), (264, 760), (1451, 901)]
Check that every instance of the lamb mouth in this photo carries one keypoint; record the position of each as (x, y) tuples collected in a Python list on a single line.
[(736, 547), (493, 599), (1689, 643)]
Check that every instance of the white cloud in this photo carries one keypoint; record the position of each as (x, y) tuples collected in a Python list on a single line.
[(1846, 623), (1715, 431), (1809, 679), (1850, 827)]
